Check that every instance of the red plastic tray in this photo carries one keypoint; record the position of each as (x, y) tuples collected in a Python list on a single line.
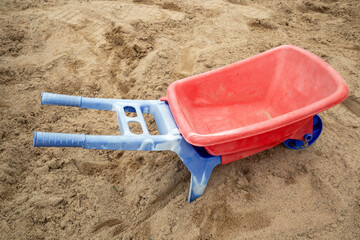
[(255, 104)]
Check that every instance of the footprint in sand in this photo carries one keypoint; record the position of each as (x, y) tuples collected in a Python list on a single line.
[(353, 104), (187, 61)]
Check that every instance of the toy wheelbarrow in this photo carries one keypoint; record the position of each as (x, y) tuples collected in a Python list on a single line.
[(222, 115)]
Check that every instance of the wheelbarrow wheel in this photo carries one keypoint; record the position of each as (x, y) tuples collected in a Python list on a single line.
[(309, 139)]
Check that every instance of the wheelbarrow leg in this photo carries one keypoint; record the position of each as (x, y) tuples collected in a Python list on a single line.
[(200, 178), (200, 164)]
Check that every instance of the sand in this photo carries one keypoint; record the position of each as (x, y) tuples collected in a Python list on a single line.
[(134, 50)]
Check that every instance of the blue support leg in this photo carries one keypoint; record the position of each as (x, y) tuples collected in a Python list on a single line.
[(200, 164)]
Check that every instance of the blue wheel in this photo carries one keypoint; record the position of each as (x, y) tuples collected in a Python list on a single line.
[(309, 139)]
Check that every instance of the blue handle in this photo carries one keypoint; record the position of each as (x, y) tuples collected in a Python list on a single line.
[(59, 99), (45, 139)]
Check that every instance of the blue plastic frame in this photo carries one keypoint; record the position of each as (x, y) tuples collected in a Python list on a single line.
[(196, 159)]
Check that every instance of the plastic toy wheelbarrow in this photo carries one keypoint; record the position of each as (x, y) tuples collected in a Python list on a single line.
[(222, 115)]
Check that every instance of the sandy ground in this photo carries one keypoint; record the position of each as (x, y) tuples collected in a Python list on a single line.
[(135, 49)]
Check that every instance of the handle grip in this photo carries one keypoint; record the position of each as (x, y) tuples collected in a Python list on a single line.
[(60, 99), (48, 139)]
